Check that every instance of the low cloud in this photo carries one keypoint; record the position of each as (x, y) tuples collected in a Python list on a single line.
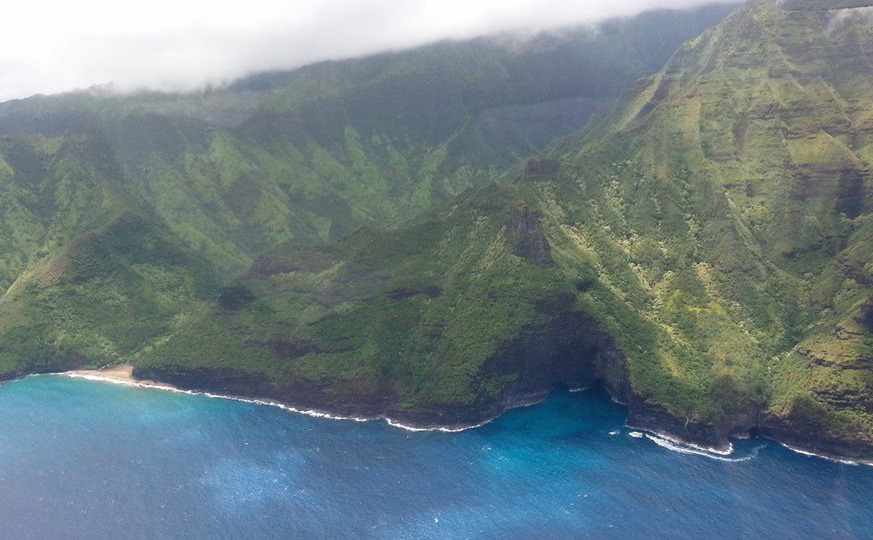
[(49, 46), (839, 18)]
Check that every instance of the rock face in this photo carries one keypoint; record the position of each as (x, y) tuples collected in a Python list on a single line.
[(812, 439), (538, 168), (246, 384), (866, 319), (527, 237), (569, 350)]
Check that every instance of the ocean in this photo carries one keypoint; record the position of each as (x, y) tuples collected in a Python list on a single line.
[(84, 459)]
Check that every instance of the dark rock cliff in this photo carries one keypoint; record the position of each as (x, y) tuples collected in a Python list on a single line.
[(570, 349)]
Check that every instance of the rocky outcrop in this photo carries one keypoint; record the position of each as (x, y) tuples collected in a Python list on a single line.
[(234, 297), (307, 395), (799, 433), (529, 242), (571, 350), (866, 319), (652, 417), (538, 168)]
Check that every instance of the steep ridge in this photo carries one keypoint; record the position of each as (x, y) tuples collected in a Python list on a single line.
[(822, 5), (88, 179), (704, 253), (771, 111)]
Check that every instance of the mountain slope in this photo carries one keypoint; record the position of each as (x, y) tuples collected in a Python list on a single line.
[(822, 5), (704, 253), (92, 183)]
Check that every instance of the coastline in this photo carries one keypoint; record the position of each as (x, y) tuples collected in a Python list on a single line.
[(120, 374), (672, 442), (123, 375), (827, 457)]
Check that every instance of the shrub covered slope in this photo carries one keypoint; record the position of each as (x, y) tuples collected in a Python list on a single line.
[(123, 216), (705, 252)]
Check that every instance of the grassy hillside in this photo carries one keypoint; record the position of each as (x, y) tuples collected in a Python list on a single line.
[(124, 215), (705, 251)]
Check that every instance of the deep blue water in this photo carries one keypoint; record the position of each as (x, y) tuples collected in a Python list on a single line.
[(81, 459)]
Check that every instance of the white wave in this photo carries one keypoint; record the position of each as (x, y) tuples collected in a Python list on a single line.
[(692, 449), (308, 412), (662, 440), (122, 382), (268, 403), (166, 388), (692, 446), (823, 456), (683, 448), (407, 427)]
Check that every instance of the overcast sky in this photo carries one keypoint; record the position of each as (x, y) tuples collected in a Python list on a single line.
[(49, 46)]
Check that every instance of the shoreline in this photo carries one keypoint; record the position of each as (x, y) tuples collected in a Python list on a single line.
[(834, 459), (120, 374), (667, 440), (123, 375)]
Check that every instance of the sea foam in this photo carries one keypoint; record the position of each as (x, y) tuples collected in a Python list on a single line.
[(681, 447), (269, 403)]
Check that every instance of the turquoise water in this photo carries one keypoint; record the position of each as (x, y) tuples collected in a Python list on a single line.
[(82, 459)]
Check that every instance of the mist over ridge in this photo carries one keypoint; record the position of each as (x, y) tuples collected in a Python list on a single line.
[(48, 47)]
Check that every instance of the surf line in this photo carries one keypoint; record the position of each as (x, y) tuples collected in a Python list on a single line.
[(268, 403), (683, 447), (841, 461)]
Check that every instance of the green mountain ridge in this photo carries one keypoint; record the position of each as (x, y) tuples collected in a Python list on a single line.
[(704, 253), (313, 154), (343, 237), (822, 5), (309, 155)]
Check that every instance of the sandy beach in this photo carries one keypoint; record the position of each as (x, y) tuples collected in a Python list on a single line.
[(120, 374)]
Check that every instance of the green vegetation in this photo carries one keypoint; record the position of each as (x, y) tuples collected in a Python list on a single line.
[(704, 249), (716, 225), (123, 216)]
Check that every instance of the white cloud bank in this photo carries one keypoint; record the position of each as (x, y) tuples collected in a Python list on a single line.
[(49, 46)]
